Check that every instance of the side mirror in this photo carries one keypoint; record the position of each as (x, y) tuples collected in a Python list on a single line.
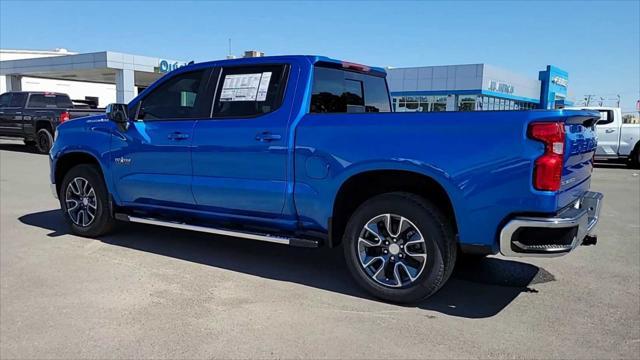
[(118, 113)]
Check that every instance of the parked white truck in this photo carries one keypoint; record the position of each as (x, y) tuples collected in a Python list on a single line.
[(616, 140)]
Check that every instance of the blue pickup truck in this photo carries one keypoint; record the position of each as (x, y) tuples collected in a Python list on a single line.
[(306, 151)]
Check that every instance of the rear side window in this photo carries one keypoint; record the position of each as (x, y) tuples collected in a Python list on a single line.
[(341, 91), (177, 98), (42, 101), (249, 90), (606, 117), (18, 100)]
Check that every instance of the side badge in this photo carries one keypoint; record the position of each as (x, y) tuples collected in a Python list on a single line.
[(123, 160)]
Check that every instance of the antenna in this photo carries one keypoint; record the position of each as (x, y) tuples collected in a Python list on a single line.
[(229, 47)]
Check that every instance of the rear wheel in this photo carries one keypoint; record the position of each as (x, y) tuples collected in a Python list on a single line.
[(84, 201), (635, 157), (399, 247), (44, 141)]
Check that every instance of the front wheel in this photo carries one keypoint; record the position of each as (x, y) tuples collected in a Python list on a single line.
[(399, 247), (85, 201)]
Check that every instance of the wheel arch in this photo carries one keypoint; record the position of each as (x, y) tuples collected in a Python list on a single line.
[(44, 124), (363, 185), (70, 159)]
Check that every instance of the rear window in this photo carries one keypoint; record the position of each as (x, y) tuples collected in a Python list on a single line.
[(49, 101), (341, 91)]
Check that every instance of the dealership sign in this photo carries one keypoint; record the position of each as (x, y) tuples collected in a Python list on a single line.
[(501, 87), (165, 66), (560, 81)]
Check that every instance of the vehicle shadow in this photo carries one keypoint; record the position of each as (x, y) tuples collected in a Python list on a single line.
[(477, 289), (18, 146)]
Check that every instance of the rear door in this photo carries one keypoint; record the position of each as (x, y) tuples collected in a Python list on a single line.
[(240, 154), (608, 134), (11, 115), (151, 160)]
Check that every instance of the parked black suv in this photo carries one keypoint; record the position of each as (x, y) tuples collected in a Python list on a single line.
[(34, 116)]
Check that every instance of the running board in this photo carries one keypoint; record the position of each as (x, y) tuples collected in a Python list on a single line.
[(233, 233)]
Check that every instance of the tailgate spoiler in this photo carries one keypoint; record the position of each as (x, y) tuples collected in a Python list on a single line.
[(586, 118)]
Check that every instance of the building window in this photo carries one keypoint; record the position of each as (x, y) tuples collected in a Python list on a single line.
[(466, 103), (439, 103)]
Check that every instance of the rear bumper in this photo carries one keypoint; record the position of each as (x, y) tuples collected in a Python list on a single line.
[(555, 235)]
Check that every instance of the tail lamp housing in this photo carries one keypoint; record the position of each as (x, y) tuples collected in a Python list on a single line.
[(547, 172), (64, 116)]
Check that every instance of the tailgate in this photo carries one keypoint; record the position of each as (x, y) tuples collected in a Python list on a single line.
[(580, 146)]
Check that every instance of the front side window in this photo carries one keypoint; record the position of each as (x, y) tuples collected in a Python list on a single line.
[(176, 98), (246, 91), (341, 91)]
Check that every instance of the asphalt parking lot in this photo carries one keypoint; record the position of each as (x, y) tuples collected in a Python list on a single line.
[(147, 292)]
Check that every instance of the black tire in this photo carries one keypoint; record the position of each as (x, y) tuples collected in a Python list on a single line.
[(439, 246), (44, 141), (634, 160), (102, 221)]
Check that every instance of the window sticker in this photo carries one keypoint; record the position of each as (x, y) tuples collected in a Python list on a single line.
[(264, 86), (245, 87)]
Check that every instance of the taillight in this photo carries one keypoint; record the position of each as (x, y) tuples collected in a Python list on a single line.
[(64, 116), (547, 173)]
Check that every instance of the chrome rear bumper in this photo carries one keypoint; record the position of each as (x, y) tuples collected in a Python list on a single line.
[(552, 236)]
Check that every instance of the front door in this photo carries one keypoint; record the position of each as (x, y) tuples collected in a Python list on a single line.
[(240, 155), (151, 159)]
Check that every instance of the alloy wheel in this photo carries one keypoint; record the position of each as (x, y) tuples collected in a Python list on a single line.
[(392, 251), (81, 201)]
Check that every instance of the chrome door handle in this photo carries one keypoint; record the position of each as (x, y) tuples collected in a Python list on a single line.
[(267, 136), (178, 136)]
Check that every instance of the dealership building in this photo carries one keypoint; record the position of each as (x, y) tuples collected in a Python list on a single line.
[(106, 77), (475, 87)]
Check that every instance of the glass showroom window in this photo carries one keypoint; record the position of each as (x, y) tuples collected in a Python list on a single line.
[(439, 103), (424, 103), (412, 103), (466, 103)]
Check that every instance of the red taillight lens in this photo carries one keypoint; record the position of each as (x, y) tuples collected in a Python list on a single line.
[(547, 174), (64, 116)]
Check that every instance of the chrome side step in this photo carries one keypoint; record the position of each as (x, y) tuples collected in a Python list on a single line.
[(233, 233)]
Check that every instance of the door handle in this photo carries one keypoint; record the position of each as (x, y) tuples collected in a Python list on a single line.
[(178, 136), (609, 130), (267, 136)]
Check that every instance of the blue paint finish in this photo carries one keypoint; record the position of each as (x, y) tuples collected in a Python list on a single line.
[(483, 160), (553, 87)]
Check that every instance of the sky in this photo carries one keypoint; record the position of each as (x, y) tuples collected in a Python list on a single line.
[(598, 43)]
